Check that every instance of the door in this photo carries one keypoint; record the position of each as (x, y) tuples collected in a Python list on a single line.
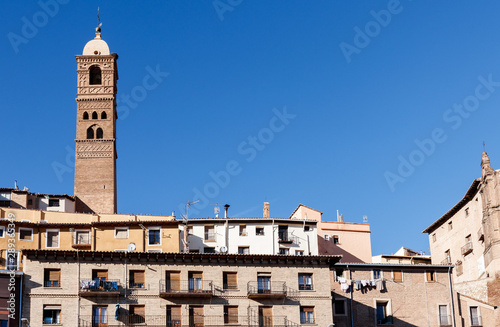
[(173, 316), (264, 284), (99, 316), (196, 316), (196, 281), (283, 232), (265, 316)]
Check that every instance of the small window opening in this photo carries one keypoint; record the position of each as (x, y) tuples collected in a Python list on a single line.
[(103, 115), (95, 75), (90, 133), (99, 133), (94, 115), (85, 115)]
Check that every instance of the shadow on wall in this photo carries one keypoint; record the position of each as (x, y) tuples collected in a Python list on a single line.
[(329, 248)]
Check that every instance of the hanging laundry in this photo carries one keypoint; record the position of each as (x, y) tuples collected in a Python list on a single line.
[(358, 285), (364, 282)]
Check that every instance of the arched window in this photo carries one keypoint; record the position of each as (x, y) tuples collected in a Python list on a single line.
[(103, 115), (85, 115), (95, 75), (99, 133), (90, 133), (94, 115)]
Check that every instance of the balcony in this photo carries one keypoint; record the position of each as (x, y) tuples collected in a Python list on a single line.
[(287, 238), (467, 248), (385, 321), (96, 287), (209, 236), (81, 243), (184, 321), (186, 288), (266, 290), (446, 261)]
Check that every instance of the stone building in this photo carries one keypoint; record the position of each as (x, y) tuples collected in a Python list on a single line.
[(89, 288), (468, 236)]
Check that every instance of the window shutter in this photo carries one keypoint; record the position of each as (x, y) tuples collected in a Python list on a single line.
[(139, 277), (175, 280), (175, 312), (232, 315), (398, 276), (232, 281), (198, 316), (197, 275), (121, 233), (54, 275)]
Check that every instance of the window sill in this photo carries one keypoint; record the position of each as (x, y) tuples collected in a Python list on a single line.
[(307, 290), (52, 287)]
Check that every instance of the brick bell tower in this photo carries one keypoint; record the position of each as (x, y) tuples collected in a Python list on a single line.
[(95, 157)]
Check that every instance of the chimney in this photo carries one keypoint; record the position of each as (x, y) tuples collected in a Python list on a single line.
[(265, 208), (226, 207), (15, 185), (340, 218)]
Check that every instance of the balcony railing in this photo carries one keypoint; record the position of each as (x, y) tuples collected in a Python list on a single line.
[(385, 321), (210, 236), (192, 288), (96, 287), (266, 289), (285, 237), (184, 321), (444, 320), (467, 248), (446, 261), (81, 241)]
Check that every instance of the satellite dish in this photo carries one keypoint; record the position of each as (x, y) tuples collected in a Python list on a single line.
[(223, 249), (131, 247)]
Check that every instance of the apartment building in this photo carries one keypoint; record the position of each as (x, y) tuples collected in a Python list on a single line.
[(393, 294), (468, 236), (350, 240), (88, 288), (23, 199), (403, 255), (250, 236)]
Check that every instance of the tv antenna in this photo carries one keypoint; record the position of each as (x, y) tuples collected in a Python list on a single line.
[(188, 204), (365, 219), (216, 210)]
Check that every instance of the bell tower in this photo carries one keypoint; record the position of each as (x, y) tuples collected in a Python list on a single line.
[(95, 154)]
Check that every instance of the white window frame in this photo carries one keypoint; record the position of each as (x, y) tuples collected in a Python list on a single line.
[(448, 313), (83, 230), (326, 237), (478, 311), (3, 234), (122, 227), (154, 250), (19, 234), (58, 238), (345, 308), (154, 228), (381, 273)]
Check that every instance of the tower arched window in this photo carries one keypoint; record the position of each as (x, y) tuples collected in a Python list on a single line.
[(99, 133), (94, 115), (95, 75), (103, 115), (90, 133), (85, 115)]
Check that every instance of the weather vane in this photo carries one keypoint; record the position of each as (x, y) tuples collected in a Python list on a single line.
[(484, 147)]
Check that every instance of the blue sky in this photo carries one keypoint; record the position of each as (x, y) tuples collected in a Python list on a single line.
[(376, 108)]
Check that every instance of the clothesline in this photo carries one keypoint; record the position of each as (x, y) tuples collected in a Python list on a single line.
[(346, 285)]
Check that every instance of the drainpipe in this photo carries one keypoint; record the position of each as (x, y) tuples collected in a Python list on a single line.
[(227, 235), (451, 296), (272, 228), (350, 278), (21, 300), (79, 283)]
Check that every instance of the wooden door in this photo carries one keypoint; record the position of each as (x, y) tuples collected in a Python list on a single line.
[(100, 316), (196, 316), (173, 281), (265, 316), (173, 316)]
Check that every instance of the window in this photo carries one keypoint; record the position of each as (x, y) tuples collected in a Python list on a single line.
[(263, 282), (339, 272), (326, 237), (30, 202), (397, 276), (137, 314), (284, 251), (243, 230), (243, 250), (259, 230), (443, 315), (52, 238), (99, 133), (307, 228), (90, 133), (154, 236), (194, 250), (450, 225), (305, 282), (121, 232), (99, 316), (173, 315), (307, 315), (336, 239), (210, 233), (82, 237), (383, 313), (230, 314), (51, 314), (430, 276), (466, 212), (459, 268), (299, 252), (95, 75), (94, 115), (136, 278), (2, 231), (52, 278), (475, 318), (208, 249), (468, 239), (339, 308), (434, 237), (377, 274), (195, 280), (230, 280), (103, 115), (53, 202), (173, 281), (447, 257), (85, 116), (190, 230), (196, 316), (25, 234), (99, 274)]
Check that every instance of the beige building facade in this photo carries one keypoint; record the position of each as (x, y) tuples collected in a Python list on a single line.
[(84, 288)]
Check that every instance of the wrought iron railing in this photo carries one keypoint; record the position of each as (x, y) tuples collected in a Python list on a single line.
[(266, 287), (193, 286), (100, 285), (285, 237)]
